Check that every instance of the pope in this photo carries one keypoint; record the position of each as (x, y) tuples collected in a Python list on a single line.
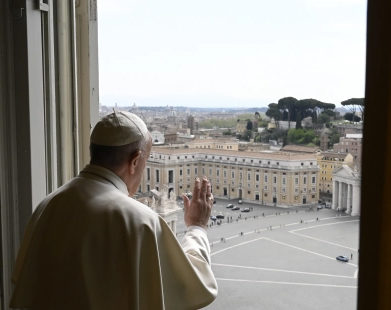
[(90, 245)]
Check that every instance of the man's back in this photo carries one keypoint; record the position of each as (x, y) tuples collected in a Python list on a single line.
[(90, 246)]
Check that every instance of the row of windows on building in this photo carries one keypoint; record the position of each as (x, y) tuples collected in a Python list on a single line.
[(257, 176), (228, 147), (257, 194), (274, 191), (235, 159), (333, 159), (325, 166)]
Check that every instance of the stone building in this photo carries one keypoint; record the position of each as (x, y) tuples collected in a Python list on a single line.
[(352, 144), (282, 179), (170, 137), (163, 203), (191, 124), (293, 148), (346, 190), (344, 129), (328, 162), (324, 139), (241, 126), (215, 144), (157, 137)]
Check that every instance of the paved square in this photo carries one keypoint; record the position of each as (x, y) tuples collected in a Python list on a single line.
[(269, 259)]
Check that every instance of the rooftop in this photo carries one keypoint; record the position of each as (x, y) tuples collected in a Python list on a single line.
[(261, 155), (334, 154), (300, 148), (354, 135)]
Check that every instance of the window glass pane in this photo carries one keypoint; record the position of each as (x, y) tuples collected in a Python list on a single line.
[(293, 147)]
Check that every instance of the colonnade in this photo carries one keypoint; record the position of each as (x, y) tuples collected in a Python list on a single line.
[(346, 196)]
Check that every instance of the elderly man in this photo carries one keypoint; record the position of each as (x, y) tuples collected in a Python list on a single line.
[(89, 245)]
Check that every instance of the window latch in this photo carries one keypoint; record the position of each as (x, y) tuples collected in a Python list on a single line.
[(43, 5)]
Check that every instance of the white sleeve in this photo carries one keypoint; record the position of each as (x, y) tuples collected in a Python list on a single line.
[(195, 243), (186, 270)]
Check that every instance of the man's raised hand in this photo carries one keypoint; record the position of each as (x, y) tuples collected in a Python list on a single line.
[(197, 210)]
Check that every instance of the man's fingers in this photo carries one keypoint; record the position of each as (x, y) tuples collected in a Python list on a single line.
[(208, 190), (197, 188), (186, 201), (211, 198), (204, 188)]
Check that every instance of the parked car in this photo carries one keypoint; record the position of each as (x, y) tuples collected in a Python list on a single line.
[(342, 258), (245, 210), (235, 208), (213, 218), (319, 207), (240, 201), (229, 206), (220, 215)]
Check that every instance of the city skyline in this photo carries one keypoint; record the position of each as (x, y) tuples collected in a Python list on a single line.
[(226, 54)]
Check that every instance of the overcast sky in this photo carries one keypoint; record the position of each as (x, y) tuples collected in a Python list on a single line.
[(227, 53)]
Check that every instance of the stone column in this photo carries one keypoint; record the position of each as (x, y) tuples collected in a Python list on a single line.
[(349, 202), (340, 196), (335, 194), (356, 200)]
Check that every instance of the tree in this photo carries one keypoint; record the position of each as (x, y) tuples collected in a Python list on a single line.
[(291, 109), (273, 134), (323, 118), (302, 136), (311, 107), (249, 125), (274, 112), (355, 104), (351, 117), (288, 105), (334, 137), (330, 113), (246, 136)]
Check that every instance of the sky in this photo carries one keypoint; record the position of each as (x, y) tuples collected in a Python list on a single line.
[(230, 53)]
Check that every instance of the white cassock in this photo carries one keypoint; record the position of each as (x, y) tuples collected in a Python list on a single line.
[(89, 245)]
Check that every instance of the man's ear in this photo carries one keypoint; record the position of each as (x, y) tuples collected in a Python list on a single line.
[(134, 160)]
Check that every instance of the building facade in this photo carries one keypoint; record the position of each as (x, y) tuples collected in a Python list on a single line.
[(346, 189), (344, 129), (157, 137), (215, 144), (350, 144), (328, 162), (281, 179)]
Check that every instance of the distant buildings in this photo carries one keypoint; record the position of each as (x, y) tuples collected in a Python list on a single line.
[(346, 190), (215, 144), (352, 144), (157, 137), (324, 139), (191, 124), (170, 137), (328, 162), (300, 149), (286, 125), (241, 126), (344, 129), (268, 178)]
